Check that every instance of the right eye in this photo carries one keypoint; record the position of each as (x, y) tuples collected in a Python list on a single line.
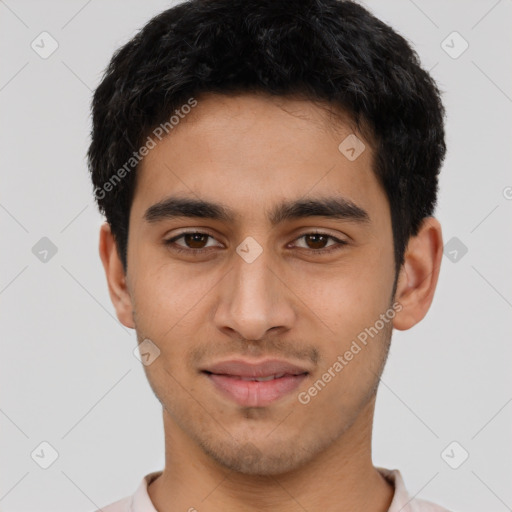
[(191, 239)]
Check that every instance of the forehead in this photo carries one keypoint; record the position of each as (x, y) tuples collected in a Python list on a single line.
[(252, 151), (247, 108)]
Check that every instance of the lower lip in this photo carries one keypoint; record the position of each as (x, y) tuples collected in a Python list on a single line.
[(254, 393)]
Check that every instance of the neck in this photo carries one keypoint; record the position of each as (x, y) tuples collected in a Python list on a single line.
[(341, 478)]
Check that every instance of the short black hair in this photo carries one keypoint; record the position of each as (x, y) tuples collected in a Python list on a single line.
[(330, 51)]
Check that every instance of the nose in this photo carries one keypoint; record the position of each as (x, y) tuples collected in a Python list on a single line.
[(254, 299)]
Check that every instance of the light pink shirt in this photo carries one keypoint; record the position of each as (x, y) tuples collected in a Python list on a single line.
[(402, 502)]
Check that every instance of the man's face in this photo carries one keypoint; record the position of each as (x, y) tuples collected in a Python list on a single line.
[(262, 288)]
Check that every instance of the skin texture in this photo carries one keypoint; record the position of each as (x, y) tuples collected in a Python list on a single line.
[(250, 152)]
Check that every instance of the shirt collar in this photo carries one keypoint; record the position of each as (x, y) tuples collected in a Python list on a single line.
[(141, 502), (401, 502)]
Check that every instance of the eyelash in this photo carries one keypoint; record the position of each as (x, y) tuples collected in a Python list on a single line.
[(178, 249)]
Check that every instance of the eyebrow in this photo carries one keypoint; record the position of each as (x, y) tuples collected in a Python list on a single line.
[(336, 207)]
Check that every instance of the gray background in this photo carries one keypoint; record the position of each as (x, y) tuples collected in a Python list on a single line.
[(68, 375)]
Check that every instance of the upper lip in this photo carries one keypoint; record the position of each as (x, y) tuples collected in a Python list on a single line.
[(265, 368)]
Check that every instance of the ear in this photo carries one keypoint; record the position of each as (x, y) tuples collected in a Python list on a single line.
[(116, 278), (418, 275)]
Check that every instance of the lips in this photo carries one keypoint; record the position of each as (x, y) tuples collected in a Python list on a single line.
[(255, 384), (245, 369)]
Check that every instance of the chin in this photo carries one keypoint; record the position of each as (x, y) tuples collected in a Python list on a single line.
[(248, 459)]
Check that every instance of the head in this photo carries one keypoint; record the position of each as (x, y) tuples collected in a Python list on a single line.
[(301, 143)]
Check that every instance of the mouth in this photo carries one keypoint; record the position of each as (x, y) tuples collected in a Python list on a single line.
[(255, 391), (255, 384), (256, 379)]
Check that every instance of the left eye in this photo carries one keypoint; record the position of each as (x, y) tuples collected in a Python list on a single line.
[(320, 239)]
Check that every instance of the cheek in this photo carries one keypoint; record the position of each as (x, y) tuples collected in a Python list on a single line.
[(342, 301), (166, 296), (170, 311)]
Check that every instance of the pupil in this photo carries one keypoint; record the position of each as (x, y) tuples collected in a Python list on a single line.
[(317, 237), (196, 237)]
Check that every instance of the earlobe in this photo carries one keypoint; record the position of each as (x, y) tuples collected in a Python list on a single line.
[(116, 278), (419, 274)]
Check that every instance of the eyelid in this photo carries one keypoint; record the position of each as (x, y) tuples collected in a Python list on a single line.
[(318, 231)]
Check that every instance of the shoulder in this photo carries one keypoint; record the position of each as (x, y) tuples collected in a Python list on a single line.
[(427, 506), (402, 501), (122, 505), (137, 502)]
